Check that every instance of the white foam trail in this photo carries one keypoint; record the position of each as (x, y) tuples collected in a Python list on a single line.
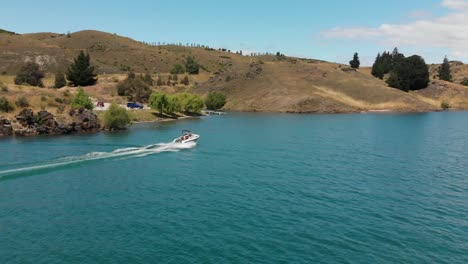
[(118, 153)]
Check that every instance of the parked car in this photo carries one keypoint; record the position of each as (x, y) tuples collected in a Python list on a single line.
[(134, 105)]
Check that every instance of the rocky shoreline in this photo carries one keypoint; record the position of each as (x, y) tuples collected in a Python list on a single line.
[(27, 123)]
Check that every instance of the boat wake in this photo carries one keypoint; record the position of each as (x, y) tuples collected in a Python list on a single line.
[(123, 153)]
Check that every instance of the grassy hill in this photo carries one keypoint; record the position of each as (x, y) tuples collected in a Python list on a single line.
[(262, 83)]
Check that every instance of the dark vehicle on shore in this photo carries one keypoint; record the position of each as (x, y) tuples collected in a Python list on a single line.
[(134, 105)]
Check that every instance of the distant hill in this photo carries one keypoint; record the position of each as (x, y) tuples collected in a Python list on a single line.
[(261, 83)]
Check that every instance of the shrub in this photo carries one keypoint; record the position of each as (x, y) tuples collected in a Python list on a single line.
[(135, 88), (22, 102), (178, 69), (445, 105), (81, 73), (81, 99), (43, 98), (465, 82), (66, 93), (116, 117), (148, 79), (185, 81), (58, 100), (3, 87), (215, 100), (59, 80), (31, 74), (191, 65), (5, 105)]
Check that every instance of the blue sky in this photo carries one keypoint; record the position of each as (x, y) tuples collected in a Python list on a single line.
[(314, 29)]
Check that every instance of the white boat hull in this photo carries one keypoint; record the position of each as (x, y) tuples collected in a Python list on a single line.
[(192, 138)]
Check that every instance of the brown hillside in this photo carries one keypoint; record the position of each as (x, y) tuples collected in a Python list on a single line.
[(265, 83)]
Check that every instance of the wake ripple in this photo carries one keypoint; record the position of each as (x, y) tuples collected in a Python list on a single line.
[(133, 152)]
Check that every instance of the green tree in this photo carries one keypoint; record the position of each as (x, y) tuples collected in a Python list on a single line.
[(80, 72), (116, 117), (385, 62), (215, 100), (158, 101), (444, 71), (178, 69), (173, 104), (81, 99), (59, 80), (30, 73), (192, 66), (465, 81), (411, 73), (5, 105), (190, 103), (355, 63)]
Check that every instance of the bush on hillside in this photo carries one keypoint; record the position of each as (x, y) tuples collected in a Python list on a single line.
[(136, 88), (30, 73), (178, 69), (215, 100), (445, 105), (148, 79), (59, 80), (22, 102), (191, 66), (5, 105), (81, 99), (185, 80), (80, 72), (465, 82), (116, 117)]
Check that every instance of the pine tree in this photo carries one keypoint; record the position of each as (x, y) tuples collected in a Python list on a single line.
[(80, 72), (355, 63), (411, 73), (377, 70), (444, 71)]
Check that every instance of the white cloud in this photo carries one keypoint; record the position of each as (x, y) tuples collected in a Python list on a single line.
[(455, 4), (446, 32)]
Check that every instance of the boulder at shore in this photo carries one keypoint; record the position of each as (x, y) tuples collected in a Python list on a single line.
[(5, 127), (44, 123)]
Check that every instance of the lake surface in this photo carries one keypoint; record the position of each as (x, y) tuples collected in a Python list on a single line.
[(258, 188)]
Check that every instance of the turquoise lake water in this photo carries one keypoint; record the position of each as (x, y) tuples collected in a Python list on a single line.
[(257, 188)]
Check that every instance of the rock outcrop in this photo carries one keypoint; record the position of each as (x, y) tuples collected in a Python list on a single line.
[(44, 123), (84, 120), (6, 128)]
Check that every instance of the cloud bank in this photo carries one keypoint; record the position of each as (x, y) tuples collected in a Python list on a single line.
[(447, 32)]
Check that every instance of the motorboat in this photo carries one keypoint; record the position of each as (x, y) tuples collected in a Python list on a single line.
[(187, 137)]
